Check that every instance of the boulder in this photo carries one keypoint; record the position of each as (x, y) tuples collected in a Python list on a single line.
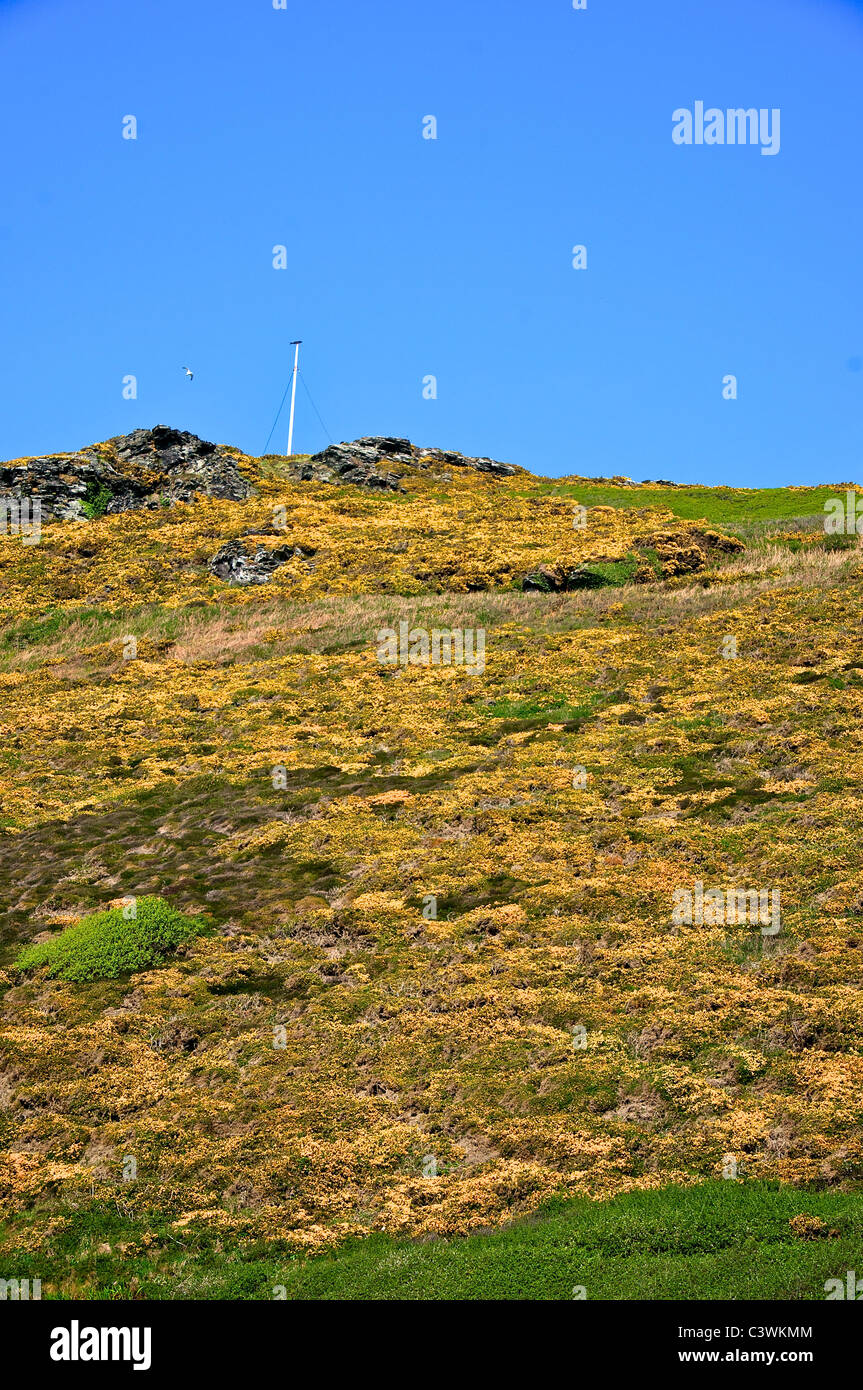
[(237, 562), (555, 579)]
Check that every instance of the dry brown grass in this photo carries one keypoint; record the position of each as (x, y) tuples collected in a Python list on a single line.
[(225, 638), (196, 635)]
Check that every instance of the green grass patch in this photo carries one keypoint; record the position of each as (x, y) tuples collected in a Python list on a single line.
[(612, 573), (721, 505), (556, 708), (722, 1240), (33, 631), (715, 1241)]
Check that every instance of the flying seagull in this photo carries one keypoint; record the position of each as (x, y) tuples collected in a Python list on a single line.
[(189, 374)]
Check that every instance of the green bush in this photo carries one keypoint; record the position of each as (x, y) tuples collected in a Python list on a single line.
[(96, 501), (107, 944)]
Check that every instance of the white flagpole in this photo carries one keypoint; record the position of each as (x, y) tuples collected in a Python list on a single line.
[(296, 346)]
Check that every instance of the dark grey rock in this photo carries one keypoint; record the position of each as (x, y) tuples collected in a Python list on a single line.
[(160, 466), (239, 563), (147, 468), (356, 463), (365, 462), (553, 579), (189, 464)]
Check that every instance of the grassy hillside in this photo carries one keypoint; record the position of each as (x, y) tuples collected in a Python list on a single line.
[(443, 985), (718, 1240), (730, 507)]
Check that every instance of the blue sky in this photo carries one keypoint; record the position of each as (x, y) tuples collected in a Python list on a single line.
[(449, 257)]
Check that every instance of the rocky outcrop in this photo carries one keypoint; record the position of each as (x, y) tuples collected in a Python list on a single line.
[(153, 468), (368, 462), (188, 464), (620, 480), (147, 468), (238, 562)]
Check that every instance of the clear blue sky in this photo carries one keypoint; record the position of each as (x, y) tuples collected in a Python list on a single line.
[(409, 257)]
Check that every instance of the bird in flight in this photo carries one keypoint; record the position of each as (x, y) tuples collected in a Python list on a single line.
[(189, 374)]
